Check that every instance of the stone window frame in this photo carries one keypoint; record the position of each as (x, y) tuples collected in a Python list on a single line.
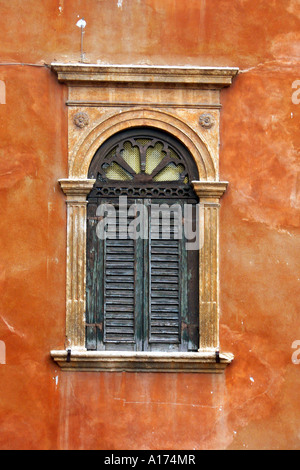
[(176, 88)]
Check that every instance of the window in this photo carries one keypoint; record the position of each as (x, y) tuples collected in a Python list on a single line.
[(150, 135), (142, 281)]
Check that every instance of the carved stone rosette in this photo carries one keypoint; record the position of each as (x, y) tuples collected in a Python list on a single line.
[(81, 120), (207, 121)]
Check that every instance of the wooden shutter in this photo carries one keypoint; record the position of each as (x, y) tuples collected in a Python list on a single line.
[(119, 291), (165, 268), (137, 290), (114, 285)]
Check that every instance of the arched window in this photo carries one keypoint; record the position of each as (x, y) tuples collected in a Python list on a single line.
[(140, 297), (142, 278)]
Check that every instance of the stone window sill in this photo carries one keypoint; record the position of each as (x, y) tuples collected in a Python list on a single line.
[(109, 361)]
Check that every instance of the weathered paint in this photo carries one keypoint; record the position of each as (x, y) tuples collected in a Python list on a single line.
[(259, 229)]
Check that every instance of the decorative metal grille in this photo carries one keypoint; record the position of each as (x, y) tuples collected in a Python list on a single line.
[(143, 163)]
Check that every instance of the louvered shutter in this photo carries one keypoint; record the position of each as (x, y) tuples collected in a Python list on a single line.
[(119, 291), (166, 269), (114, 284), (138, 292)]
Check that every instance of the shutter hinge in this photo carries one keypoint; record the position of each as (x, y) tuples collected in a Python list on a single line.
[(69, 355)]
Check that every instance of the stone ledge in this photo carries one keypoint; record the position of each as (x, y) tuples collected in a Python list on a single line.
[(93, 74), (111, 361)]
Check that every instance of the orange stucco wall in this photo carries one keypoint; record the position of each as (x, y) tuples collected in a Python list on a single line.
[(255, 404)]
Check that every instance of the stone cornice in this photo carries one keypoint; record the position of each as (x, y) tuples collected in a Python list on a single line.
[(94, 74), (78, 187), (210, 189)]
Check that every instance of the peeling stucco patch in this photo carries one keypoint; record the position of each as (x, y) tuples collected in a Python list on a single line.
[(294, 8), (14, 168), (286, 46), (11, 328), (295, 194)]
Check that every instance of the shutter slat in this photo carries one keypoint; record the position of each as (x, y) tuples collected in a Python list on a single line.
[(164, 294), (160, 281), (118, 308)]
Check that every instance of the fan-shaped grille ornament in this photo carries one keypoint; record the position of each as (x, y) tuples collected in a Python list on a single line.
[(143, 161)]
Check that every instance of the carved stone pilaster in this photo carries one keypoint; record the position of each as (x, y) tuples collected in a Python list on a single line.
[(76, 192), (209, 194)]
